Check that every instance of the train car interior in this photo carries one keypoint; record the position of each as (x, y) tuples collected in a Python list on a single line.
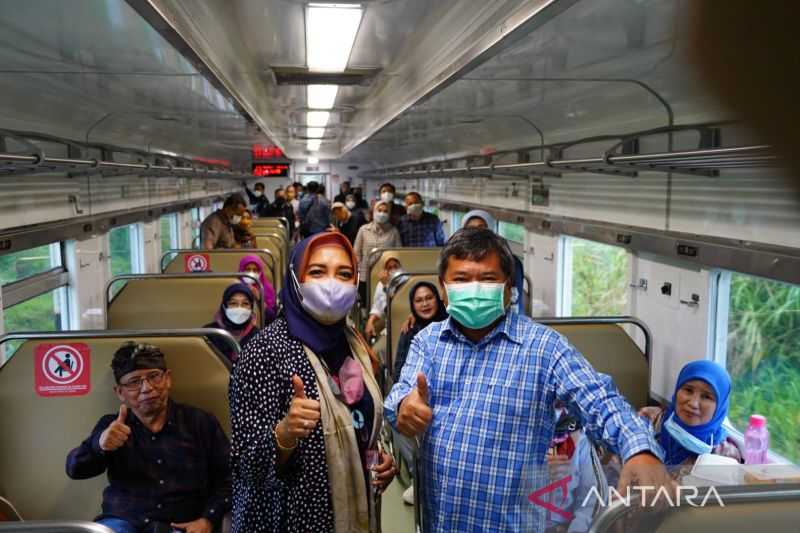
[(156, 158)]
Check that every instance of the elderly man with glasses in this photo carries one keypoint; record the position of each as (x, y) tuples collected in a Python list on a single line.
[(167, 463)]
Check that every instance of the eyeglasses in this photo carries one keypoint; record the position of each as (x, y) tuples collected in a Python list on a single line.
[(155, 379)]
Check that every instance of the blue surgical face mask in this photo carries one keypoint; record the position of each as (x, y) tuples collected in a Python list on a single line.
[(475, 305), (686, 439)]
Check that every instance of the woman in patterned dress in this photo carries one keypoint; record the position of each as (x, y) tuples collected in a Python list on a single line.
[(306, 409)]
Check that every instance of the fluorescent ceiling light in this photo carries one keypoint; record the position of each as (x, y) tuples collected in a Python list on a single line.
[(313, 144), (330, 33), (321, 96), (313, 160), (317, 119), (315, 133)]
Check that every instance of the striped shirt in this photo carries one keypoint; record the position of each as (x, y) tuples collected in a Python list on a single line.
[(492, 402)]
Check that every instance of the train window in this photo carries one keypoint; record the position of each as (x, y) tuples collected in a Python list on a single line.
[(169, 231), (34, 285), (458, 218), (197, 219), (593, 278), (512, 232), (27, 263), (758, 340), (46, 312), (125, 246)]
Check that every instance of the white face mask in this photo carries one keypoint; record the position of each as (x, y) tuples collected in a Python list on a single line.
[(387, 196), (238, 315), (235, 219), (381, 218), (249, 280), (350, 205), (258, 194), (415, 210)]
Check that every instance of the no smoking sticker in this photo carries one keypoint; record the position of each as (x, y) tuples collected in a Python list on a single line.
[(62, 369), (196, 263)]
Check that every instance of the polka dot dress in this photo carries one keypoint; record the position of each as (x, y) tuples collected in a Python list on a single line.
[(266, 498)]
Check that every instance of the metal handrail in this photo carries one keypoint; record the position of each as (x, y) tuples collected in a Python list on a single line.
[(53, 526), (378, 251), (108, 300), (39, 160), (397, 280), (733, 157), (648, 335), (284, 240), (177, 251), (729, 495), (114, 333)]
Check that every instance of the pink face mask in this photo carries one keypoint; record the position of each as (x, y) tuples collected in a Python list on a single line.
[(351, 381)]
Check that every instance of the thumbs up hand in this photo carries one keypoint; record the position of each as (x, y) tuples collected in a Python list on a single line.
[(415, 415), (302, 417), (116, 434)]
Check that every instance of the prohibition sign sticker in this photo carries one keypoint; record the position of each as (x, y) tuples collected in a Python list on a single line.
[(62, 369), (196, 263)]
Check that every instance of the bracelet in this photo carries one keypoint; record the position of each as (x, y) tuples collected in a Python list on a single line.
[(281, 447)]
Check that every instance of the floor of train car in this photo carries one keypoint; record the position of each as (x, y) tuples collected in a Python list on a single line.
[(396, 516)]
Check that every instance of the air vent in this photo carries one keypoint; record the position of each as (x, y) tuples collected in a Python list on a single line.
[(301, 76)]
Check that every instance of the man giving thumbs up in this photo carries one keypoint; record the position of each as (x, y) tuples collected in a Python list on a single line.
[(167, 463)]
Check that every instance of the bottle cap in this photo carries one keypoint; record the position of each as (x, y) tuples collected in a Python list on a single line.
[(758, 421)]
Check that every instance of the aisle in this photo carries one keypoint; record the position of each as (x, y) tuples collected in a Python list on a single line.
[(397, 517)]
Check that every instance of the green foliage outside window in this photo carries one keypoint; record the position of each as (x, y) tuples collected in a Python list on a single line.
[(121, 253), (512, 232), (24, 264), (42, 313), (763, 358), (168, 232), (599, 279)]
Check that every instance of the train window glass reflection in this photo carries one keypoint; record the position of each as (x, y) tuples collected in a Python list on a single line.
[(20, 265), (458, 218), (197, 219), (594, 278), (125, 246), (168, 229), (46, 312), (758, 339), (512, 232)]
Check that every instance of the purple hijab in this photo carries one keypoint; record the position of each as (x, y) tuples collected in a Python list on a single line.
[(318, 337), (268, 290)]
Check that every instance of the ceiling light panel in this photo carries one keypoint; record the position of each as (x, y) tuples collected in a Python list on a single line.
[(330, 33), (313, 160), (321, 96), (313, 145), (315, 133), (317, 119)]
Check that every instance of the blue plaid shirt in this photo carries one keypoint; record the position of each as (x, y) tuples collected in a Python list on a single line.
[(427, 232), (492, 402)]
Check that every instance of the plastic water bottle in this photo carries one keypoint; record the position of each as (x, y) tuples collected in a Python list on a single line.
[(756, 441)]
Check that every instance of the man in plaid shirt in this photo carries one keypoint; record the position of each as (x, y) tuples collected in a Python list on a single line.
[(417, 227), (167, 463), (478, 390)]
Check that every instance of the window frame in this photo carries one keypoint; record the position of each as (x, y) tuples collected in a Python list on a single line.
[(565, 275), (55, 280), (136, 242), (718, 323)]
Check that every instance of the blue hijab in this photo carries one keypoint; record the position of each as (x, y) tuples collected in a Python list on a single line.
[(710, 432), (320, 338)]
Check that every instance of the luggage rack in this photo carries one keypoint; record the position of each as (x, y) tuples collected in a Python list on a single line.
[(704, 162), (38, 161), (12, 164)]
